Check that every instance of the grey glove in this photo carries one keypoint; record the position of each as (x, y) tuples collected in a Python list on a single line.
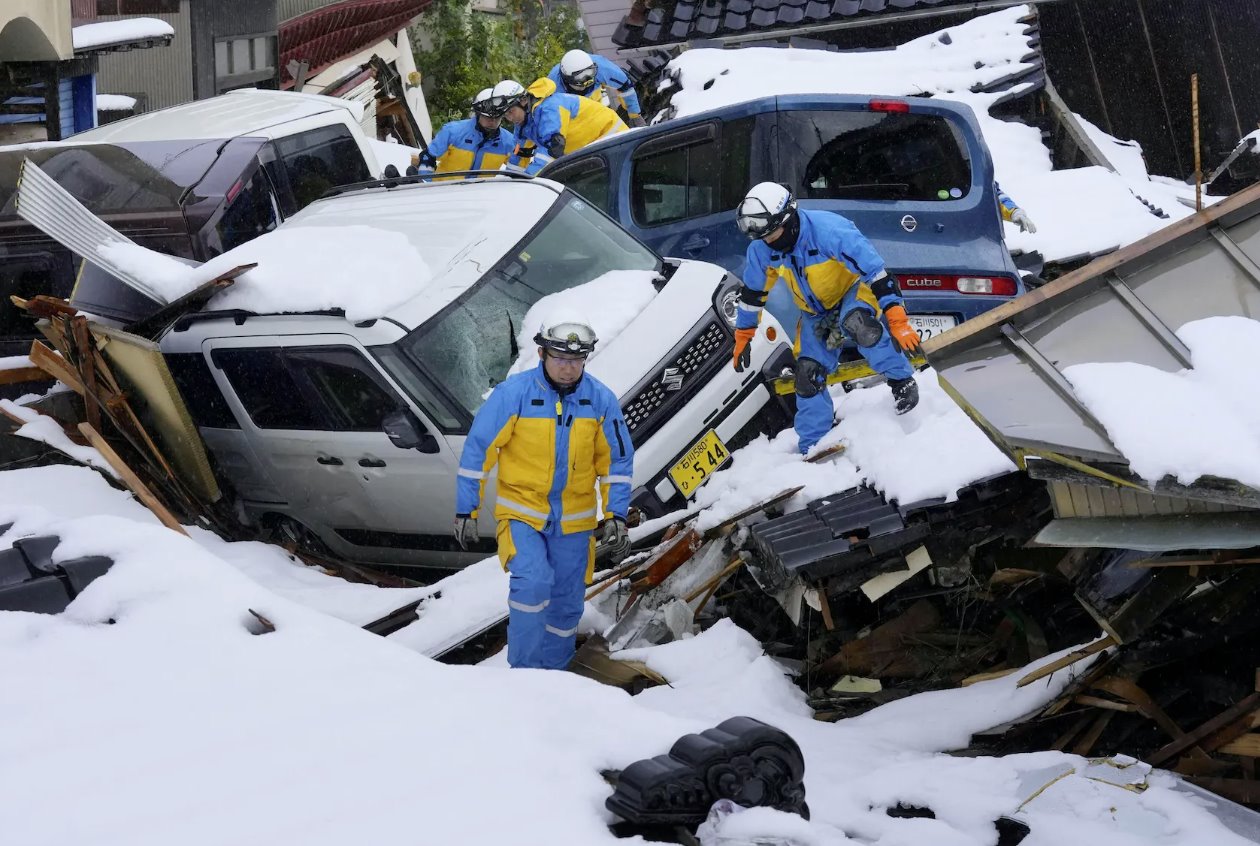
[(636, 121), (465, 530), (615, 539), (1023, 221), (828, 331)]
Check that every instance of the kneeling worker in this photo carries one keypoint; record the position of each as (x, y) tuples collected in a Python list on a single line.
[(554, 431), (839, 288), (478, 143)]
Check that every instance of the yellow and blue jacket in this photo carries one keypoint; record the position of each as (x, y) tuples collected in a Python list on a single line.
[(1006, 206), (607, 77), (829, 258), (551, 450), (461, 145), (579, 120)]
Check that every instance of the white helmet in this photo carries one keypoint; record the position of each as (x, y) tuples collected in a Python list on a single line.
[(567, 332), (481, 103), (506, 94), (764, 209), (577, 69)]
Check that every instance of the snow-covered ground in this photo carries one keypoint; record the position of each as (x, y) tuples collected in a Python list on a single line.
[(149, 713), (1078, 212)]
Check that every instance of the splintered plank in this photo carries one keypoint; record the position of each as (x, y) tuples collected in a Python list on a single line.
[(55, 366), (1067, 660), (132, 481), (1246, 705), (18, 375), (87, 369), (667, 558)]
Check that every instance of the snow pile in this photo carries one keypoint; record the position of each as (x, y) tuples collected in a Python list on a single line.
[(364, 271), (1204, 421), (87, 36), (1078, 212), (42, 428), (933, 451), (114, 103), (608, 304), (156, 704)]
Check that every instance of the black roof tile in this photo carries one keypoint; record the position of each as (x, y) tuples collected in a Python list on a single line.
[(708, 17)]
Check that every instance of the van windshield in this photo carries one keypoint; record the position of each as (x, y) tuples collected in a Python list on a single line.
[(864, 155), (469, 346)]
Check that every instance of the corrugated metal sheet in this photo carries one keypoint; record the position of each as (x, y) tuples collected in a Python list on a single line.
[(1005, 368), (159, 77), (52, 210)]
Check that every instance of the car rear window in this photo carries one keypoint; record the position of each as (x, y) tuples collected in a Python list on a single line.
[(867, 155), (136, 176)]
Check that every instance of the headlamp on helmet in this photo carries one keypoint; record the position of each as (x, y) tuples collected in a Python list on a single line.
[(569, 337)]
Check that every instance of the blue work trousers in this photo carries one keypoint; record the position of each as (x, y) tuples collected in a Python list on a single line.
[(814, 415), (546, 592)]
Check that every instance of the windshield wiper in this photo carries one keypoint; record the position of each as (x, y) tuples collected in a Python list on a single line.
[(513, 348)]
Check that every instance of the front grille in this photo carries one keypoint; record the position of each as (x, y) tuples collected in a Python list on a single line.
[(689, 366)]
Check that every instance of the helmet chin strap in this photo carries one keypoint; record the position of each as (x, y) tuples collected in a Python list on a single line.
[(791, 231)]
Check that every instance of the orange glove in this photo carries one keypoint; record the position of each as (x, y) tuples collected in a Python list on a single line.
[(743, 355), (907, 338)]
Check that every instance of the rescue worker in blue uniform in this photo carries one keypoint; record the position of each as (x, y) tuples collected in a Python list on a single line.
[(550, 121), (555, 433), (478, 143), (1012, 212), (839, 287), (580, 73)]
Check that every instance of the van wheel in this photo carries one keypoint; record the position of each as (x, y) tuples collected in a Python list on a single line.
[(286, 531)]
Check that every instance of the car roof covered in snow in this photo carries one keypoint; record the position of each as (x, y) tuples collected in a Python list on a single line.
[(404, 252), (248, 111)]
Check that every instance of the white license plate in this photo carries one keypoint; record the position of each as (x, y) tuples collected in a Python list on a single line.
[(931, 325)]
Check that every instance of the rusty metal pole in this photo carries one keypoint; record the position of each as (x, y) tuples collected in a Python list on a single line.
[(1198, 160)]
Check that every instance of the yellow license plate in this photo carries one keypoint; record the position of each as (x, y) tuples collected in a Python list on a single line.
[(701, 461)]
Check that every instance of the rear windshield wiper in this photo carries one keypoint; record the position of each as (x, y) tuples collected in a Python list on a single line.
[(893, 190)]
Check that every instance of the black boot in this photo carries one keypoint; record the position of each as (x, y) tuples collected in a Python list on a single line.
[(905, 393)]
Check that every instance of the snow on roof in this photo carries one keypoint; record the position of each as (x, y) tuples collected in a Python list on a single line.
[(405, 252), (237, 113), (114, 103), (106, 33), (154, 666), (1083, 211), (1204, 421)]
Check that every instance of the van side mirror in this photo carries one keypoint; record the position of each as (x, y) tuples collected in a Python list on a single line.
[(406, 432)]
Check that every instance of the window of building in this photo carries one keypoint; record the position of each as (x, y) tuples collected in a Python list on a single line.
[(677, 183), (137, 7), (244, 61)]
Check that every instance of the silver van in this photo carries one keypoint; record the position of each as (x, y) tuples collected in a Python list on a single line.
[(347, 434)]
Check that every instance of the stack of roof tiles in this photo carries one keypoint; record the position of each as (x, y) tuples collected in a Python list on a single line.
[(671, 21)]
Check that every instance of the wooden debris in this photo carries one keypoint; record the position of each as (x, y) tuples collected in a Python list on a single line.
[(139, 488), (1248, 704), (1067, 660), (55, 366), (883, 652), (18, 375)]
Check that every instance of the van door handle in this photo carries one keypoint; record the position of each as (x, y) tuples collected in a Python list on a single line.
[(331, 460), (371, 462), (695, 242)]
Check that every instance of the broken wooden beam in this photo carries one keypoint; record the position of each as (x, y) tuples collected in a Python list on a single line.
[(131, 480), (1244, 706), (1067, 660)]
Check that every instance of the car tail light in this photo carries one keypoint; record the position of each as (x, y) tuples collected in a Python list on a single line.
[(234, 190), (996, 286), (888, 106)]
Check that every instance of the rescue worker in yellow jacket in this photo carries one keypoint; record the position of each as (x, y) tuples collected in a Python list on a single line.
[(555, 433), (552, 121), (478, 143)]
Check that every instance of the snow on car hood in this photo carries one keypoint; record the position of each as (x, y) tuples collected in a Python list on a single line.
[(636, 326)]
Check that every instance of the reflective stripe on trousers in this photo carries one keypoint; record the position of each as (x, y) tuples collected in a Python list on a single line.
[(546, 592)]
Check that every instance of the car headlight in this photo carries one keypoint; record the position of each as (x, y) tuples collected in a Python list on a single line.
[(726, 299)]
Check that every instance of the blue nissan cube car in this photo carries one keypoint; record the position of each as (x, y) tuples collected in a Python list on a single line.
[(913, 173)]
